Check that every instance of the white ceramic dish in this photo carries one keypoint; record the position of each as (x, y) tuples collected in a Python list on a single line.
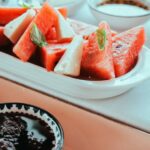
[(118, 22), (39, 79), (49, 82), (39, 113)]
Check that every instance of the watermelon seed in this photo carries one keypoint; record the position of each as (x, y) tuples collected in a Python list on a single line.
[(118, 46)]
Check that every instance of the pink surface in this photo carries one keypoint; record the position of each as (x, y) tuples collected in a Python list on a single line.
[(83, 130)]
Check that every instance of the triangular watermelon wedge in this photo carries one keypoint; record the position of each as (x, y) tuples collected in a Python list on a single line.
[(44, 20), (51, 54), (7, 14), (98, 62), (126, 48)]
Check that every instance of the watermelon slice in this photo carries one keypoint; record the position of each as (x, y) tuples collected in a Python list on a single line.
[(63, 28), (126, 47), (44, 20), (70, 63), (3, 39), (51, 54), (113, 33), (63, 11), (97, 58), (60, 41), (51, 35), (15, 28), (8, 14)]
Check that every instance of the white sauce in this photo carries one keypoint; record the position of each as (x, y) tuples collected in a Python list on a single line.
[(122, 10)]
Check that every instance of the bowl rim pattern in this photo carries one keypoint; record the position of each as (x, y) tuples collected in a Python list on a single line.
[(24, 108), (90, 4)]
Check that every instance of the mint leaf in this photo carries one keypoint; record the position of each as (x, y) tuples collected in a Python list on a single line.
[(101, 38), (25, 4), (37, 36)]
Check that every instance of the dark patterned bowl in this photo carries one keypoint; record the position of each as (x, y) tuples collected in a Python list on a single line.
[(39, 113)]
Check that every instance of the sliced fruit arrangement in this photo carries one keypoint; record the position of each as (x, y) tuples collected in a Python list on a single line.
[(63, 28), (45, 19), (51, 54), (126, 48), (70, 62), (15, 28), (97, 57), (8, 14), (68, 48)]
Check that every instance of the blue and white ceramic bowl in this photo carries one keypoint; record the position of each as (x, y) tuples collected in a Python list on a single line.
[(39, 113)]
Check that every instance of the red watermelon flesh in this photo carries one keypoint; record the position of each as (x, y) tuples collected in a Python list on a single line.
[(95, 62), (52, 37), (44, 20), (8, 14), (126, 48), (51, 34), (51, 54), (63, 11), (113, 33)]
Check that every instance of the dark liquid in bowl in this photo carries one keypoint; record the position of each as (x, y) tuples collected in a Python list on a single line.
[(129, 2), (24, 132)]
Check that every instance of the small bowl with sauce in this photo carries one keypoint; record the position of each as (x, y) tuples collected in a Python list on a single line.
[(28, 127), (121, 14)]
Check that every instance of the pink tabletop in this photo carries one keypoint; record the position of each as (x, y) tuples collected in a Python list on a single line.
[(83, 130)]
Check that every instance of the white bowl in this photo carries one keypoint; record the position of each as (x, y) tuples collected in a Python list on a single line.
[(61, 86), (72, 6), (58, 85), (118, 22)]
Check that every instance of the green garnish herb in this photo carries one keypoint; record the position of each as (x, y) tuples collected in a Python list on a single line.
[(25, 4), (101, 38), (37, 36)]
